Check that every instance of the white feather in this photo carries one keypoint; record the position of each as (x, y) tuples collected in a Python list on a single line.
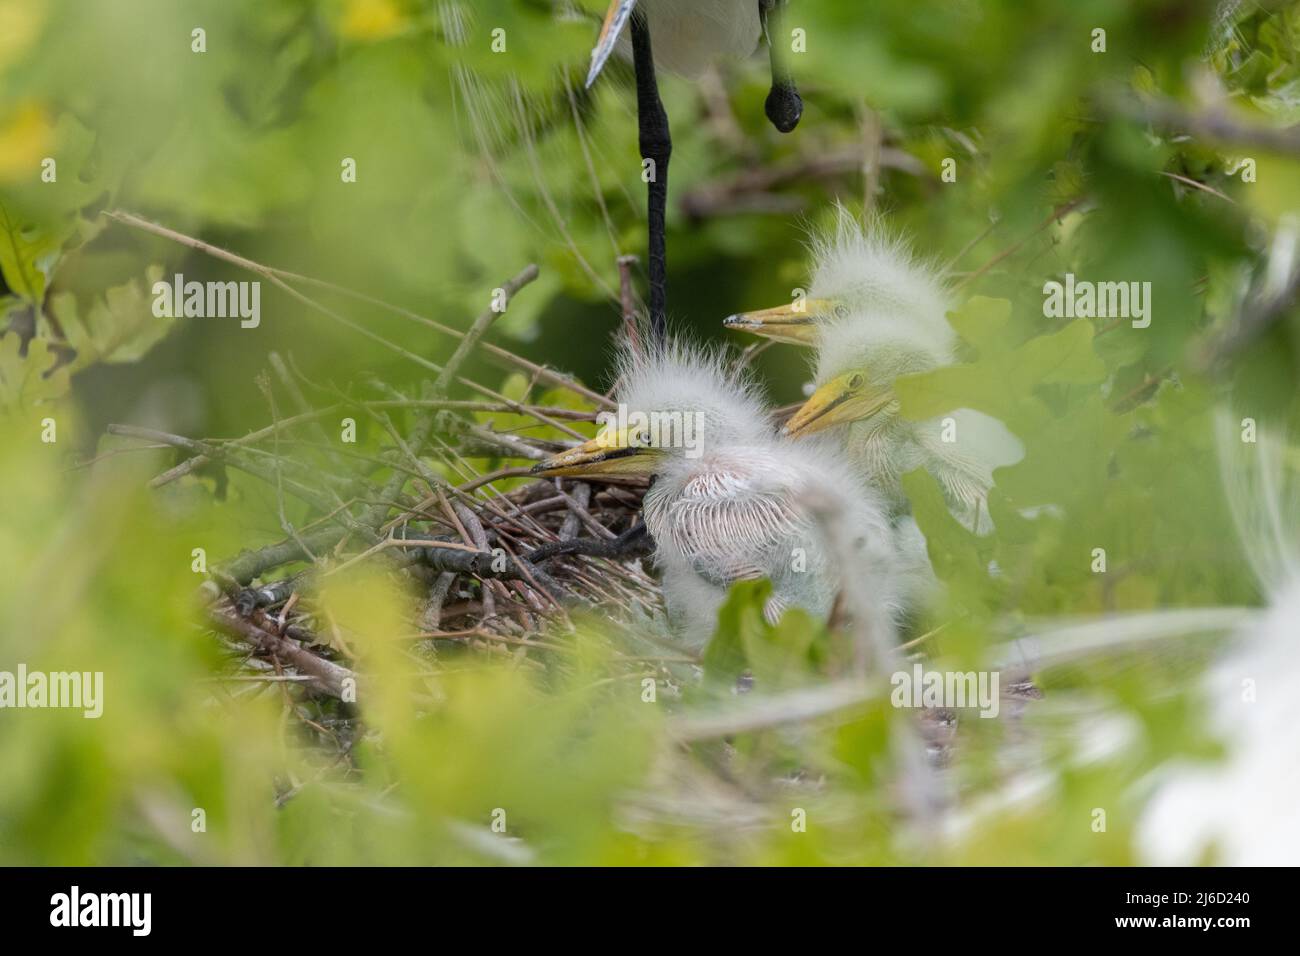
[(740, 509), (895, 302), (688, 35), (1243, 810), (685, 35), (892, 321)]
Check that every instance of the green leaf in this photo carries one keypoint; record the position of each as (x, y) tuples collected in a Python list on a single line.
[(28, 255), (952, 548), (740, 616), (984, 323), (119, 327), (1003, 384), (39, 224), (24, 381), (777, 655)]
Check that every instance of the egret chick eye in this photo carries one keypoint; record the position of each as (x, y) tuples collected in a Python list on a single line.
[(841, 311), (855, 381)]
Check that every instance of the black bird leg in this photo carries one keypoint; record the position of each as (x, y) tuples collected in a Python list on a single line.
[(633, 542), (784, 106), (657, 146)]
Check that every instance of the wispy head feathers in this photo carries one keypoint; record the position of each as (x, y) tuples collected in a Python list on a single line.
[(868, 264), (891, 298), (681, 376)]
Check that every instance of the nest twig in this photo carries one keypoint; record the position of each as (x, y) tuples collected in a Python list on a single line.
[(493, 569)]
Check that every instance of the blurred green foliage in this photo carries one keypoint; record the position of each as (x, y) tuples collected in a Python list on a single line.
[(470, 164)]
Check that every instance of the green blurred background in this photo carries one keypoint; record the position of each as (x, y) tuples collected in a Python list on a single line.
[(472, 163)]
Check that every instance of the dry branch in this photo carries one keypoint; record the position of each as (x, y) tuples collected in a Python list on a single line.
[(418, 508)]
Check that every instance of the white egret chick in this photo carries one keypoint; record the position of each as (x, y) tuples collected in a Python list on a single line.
[(854, 269), (877, 313), (730, 499)]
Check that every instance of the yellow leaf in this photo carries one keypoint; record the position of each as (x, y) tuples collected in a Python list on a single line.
[(26, 139), (371, 20), (20, 22)]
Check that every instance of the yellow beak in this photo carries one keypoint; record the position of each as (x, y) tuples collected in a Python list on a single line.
[(848, 398), (603, 455), (797, 323)]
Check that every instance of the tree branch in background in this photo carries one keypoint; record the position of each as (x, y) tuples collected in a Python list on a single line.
[(1212, 124), (500, 355), (752, 189)]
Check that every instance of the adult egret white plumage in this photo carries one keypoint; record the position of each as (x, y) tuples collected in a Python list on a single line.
[(1244, 807), (731, 499), (875, 313), (1239, 808), (687, 36)]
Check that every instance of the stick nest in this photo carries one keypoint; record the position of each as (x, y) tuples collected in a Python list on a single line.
[(497, 563)]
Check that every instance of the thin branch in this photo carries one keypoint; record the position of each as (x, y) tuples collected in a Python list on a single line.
[(1213, 124), (480, 325), (501, 355), (328, 676), (1056, 214)]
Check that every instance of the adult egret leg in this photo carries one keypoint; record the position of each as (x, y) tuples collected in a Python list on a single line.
[(656, 146), (631, 543), (784, 106)]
